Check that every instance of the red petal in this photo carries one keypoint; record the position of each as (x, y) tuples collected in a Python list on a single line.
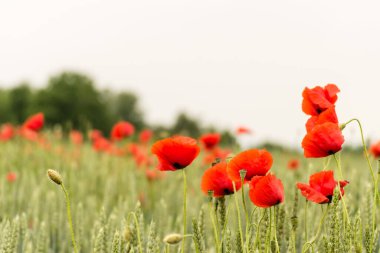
[(323, 182), (311, 194), (216, 179), (324, 140), (328, 115), (175, 152), (266, 191), (254, 161)]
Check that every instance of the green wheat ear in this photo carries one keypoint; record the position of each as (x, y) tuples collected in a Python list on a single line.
[(57, 178)]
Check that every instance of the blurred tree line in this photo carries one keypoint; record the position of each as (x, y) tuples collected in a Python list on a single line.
[(72, 101)]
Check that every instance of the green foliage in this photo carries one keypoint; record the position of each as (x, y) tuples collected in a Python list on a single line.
[(20, 99), (71, 100), (186, 125), (105, 189)]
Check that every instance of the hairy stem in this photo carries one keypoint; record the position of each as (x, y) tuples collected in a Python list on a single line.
[(68, 207)]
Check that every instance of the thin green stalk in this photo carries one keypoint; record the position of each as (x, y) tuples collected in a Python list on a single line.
[(310, 243), (184, 208), (375, 181), (212, 216), (340, 192), (305, 223), (269, 237), (257, 240), (364, 147), (326, 162), (275, 230), (239, 217), (247, 221), (68, 207)]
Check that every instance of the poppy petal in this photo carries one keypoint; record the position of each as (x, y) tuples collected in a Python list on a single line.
[(323, 140), (266, 191), (176, 152), (323, 182), (312, 194), (254, 161), (216, 179)]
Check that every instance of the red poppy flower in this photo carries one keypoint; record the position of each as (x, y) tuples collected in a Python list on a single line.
[(153, 174), (243, 130), (318, 99), (293, 164), (323, 140), (210, 140), (145, 136), (76, 137), (321, 187), (329, 115), (29, 134), (216, 179), (375, 149), (254, 161), (102, 144), (11, 177), (34, 122), (122, 130), (95, 134), (176, 152), (141, 157), (6, 132), (266, 191)]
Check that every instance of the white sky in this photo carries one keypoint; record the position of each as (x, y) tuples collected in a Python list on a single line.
[(230, 63)]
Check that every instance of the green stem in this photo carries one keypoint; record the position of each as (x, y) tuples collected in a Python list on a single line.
[(310, 243), (257, 241), (184, 208), (269, 237), (375, 181), (239, 217), (340, 192), (364, 147), (326, 162), (70, 218), (247, 221), (275, 230), (212, 216), (305, 222)]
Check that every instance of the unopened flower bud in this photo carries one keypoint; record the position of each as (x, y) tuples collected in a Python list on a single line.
[(55, 176), (173, 238), (242, 174)]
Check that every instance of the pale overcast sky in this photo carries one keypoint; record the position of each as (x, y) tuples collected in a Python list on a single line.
[(229, 63)]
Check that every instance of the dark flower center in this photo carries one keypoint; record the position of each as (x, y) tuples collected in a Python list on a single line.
[(177, 166)]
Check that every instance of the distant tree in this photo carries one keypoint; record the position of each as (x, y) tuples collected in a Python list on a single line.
[(20, 98), (71, 99), (228, 139), (186, 125), (126, 108), (5, 112)]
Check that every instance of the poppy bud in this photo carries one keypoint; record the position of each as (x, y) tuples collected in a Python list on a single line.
[(173, 239), (342, 126), (242, 174), (54, 176)]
